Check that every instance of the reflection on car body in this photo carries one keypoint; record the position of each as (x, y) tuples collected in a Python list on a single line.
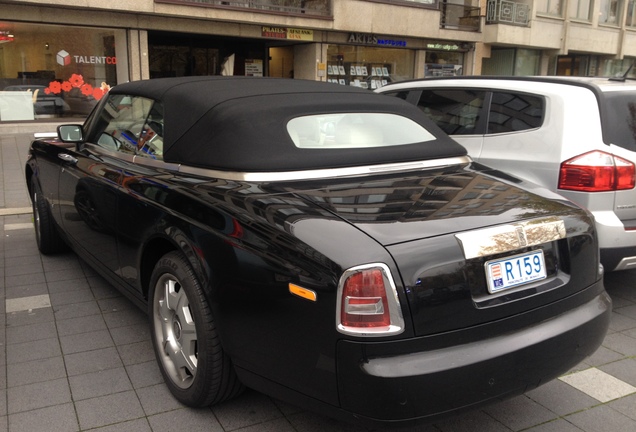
[(320, 244)]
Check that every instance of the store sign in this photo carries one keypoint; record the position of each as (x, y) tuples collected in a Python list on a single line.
[(443, 47), (287, 33), (63, 58), (300, 34), (370, 39)]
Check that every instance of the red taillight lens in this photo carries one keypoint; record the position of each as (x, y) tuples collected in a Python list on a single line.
[(364, 302), (597, 172), (368, 304)]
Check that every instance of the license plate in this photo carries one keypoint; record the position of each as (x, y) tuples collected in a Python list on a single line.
[(506, 273)]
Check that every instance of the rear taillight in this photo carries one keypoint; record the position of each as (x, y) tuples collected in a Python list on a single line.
[(368, 304), (597, 172)]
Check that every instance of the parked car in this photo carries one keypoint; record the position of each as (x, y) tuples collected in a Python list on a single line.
[(575, 136), (320, 244)]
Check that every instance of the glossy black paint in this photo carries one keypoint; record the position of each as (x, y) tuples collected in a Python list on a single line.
[(246, 241)]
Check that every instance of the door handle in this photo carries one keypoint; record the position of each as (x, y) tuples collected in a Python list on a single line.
[(67, 158)]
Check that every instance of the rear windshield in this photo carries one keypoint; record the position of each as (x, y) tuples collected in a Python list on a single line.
[(355, 130), (619, 119)]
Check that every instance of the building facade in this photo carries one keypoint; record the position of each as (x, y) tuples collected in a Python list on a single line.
[(58, 58)]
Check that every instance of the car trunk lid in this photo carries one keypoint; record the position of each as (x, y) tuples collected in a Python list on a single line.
[(446, 228)]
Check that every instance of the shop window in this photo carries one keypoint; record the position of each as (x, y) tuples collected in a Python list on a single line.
[(444, 63), (368, 67), (62, 73)]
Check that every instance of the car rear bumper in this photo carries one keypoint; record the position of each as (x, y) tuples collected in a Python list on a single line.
[(617, 244), (393, 382)]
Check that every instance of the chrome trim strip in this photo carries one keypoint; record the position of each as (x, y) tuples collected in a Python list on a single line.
[(155, 163), (323, 173), (506, 238), (283, 175)]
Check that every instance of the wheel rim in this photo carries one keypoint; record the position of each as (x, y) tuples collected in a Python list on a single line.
[(175, 331)]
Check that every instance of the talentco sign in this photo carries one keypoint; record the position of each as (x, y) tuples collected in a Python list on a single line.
[(64, 59)]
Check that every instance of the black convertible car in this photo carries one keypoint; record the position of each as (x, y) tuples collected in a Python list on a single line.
[(322, 244)]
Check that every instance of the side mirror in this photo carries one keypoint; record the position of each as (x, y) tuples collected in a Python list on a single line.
[(70, 133)]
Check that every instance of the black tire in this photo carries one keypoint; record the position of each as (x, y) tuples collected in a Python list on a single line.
[(47, 235), (196, 369)]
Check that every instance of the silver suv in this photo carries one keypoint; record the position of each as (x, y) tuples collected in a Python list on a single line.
[(575, 136)]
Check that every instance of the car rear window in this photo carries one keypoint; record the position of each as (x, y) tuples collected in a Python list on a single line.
[(619, 119), (355, 130)]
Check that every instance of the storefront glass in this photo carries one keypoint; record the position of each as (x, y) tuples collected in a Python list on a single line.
[(368, 67), (56, 71), (512, 61), (441, 63)]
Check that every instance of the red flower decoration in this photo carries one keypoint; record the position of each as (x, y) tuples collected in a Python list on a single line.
[(55, 87), (76, 80), (98, 93), (87, 90), (66, 86), (47, 91)]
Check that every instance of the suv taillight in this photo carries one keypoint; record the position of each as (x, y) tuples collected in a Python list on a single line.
[(368, 304), (597, 171)]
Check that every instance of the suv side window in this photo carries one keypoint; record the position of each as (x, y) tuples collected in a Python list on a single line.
[(456, 112), (514, 112)]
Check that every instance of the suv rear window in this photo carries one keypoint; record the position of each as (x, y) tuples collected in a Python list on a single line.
[(619, 119)]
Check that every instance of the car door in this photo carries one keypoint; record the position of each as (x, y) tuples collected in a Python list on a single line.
[(91, 179)]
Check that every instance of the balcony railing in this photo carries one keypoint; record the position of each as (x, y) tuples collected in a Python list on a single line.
[(459, 17), (320, 8), (508, 12)]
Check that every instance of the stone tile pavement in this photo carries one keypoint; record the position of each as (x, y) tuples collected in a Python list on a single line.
[(76, 355)]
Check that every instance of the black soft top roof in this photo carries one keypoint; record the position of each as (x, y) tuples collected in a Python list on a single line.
[(239, 123)]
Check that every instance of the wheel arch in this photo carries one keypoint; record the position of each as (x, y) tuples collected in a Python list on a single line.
[(171, 239), (151, 254)]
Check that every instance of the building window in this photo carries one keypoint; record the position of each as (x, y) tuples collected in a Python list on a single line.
[(610, 12), (631, 14), (550, 7), (56, 71), (581, 10)]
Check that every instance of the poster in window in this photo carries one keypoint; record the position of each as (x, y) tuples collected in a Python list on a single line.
[(254, 67)]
